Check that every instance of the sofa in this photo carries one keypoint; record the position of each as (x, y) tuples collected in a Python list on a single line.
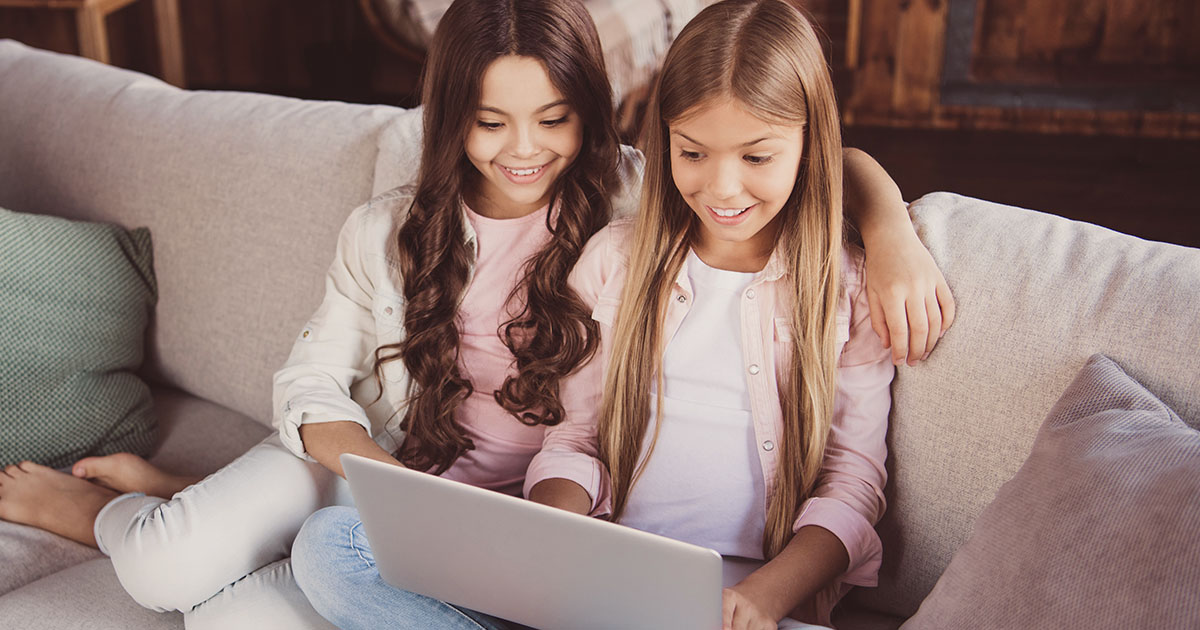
[(244, 195)]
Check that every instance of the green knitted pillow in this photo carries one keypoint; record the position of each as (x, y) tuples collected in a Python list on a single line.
[(75, 298)]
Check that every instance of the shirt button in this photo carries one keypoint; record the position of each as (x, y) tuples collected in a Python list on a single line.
[(750, 294), (768, 445), (753, 369), (387, 311), (682, 299)]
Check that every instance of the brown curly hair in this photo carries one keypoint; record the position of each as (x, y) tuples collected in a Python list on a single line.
[(553, 331)]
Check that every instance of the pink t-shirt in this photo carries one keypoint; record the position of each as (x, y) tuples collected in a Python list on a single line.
[(503, 445)]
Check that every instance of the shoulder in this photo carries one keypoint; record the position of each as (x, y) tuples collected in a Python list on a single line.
[(862, 345), (604, 259), (610, 246), (381, 213), (369, 231), (388, 208), (629, 182)]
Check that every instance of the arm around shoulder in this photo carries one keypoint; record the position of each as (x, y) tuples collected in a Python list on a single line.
[(911, 303)]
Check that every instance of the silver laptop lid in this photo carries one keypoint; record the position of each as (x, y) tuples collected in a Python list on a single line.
[(526, 562)]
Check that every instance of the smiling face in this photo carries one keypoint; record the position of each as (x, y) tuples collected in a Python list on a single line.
[(736, 172), (524, 137)]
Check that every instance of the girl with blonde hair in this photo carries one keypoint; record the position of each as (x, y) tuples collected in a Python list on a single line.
[(745, 396)]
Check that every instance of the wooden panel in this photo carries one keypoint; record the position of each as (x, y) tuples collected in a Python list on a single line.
[(323, 49), (1087, 41), (1120, 67), (899, 60)]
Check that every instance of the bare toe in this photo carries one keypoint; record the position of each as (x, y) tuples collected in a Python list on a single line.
[(126, 472), (35, 495)]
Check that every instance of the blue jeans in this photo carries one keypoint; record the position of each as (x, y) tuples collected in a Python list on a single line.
[(335, 568)]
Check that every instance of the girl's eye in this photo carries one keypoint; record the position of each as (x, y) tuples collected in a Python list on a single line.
[(757, 160), (554, 123), (490, 126), (690, 156)]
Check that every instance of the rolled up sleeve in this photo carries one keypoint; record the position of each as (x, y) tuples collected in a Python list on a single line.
[(848, 499), (570, 449), (334, 349)]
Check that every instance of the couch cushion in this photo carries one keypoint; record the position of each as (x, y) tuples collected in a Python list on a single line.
[(196, 437), (1097, 530), (1037, 295), (75, 298), (77, 598), (244, 194), (28, 554)]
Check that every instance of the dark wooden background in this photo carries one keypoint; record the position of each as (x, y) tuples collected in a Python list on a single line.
[(1084, 108)]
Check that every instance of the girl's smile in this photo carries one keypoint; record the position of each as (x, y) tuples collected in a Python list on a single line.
[(523, 175), (730, 216)]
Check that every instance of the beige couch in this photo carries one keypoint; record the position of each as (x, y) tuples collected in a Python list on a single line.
[(244, 195)]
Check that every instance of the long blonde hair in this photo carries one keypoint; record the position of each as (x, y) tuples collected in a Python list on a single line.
[(766, 55)]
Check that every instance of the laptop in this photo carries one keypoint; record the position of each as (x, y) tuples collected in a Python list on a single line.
[(526, 562)]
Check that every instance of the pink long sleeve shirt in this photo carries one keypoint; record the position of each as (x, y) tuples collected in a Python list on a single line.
[(848, 498)]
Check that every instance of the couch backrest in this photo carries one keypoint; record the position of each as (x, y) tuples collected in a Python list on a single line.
[(1037, 295), (243, 194)]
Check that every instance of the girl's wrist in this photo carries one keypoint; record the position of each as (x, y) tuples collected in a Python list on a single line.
[(881, 230), (769, 601)]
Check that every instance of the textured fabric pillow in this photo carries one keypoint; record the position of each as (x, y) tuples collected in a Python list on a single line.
[(1100, 528), (75, 299)]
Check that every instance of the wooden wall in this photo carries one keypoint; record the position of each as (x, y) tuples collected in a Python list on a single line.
[(1071, 42), (1124, 67), (1114, 67), (313, 49)]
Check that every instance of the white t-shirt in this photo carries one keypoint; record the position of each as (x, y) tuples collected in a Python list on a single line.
[(703, 483)]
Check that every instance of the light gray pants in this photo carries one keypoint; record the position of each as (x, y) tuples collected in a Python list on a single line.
[(218, 551)]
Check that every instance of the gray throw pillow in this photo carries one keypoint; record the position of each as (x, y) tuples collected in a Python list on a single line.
[(1100, 528), (75, 299)]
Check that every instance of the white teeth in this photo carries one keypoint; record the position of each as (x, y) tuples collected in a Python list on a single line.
[(521, 172), (728, 212)]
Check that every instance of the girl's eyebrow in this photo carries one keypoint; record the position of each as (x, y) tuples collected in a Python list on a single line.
[(497, 110), (744, 144)]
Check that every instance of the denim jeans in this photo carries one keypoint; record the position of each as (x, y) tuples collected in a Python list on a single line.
[(335, 568)]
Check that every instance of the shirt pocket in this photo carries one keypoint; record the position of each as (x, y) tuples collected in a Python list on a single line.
[(388, 311), (606, 310), (841, 329), (783, 331)]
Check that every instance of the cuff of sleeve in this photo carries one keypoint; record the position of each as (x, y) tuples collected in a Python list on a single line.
[(856, 533), (301, 410), (584, 470)]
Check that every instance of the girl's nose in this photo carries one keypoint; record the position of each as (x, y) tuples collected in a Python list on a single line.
[(523, 145), (724, 181)]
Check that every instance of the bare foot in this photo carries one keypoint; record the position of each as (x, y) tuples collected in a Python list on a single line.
[(32, 494), (126, 472)]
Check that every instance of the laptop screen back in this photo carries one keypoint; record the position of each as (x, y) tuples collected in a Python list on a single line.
[(526, 562)]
